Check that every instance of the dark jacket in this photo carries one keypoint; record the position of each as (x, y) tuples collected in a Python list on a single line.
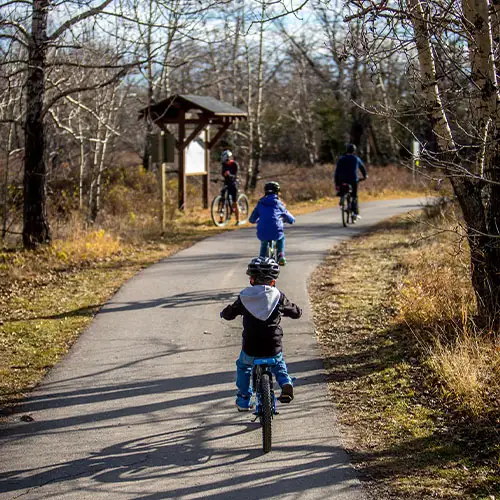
[(261, 307), (269, 215), (230, 166), (347, 169)]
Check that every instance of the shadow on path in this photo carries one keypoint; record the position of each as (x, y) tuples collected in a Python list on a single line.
[(177, 456), (162, 390)]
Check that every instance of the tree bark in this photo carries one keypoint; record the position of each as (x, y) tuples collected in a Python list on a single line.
[(482, 215), (258, 111), (5, 212), (36, 227)]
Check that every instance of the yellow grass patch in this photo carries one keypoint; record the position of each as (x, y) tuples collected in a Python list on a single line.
[(87, 245), (469, 367)]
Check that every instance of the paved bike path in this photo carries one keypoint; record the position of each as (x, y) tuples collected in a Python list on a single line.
[(143, 405)]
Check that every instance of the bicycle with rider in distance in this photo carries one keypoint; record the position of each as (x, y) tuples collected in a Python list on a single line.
[(346, 204), (221, 209)]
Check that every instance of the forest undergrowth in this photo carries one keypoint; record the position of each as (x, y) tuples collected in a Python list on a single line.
[(48, 296), (417, 385)]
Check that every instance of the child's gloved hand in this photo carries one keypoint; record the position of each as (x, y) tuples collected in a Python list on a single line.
[(220, 314)]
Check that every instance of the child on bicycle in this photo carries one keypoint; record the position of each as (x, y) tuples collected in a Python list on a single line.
[(230, 173), (261, 306), (269, 214)]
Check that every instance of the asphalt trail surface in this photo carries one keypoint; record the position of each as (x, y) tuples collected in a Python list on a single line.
[(143, 405)]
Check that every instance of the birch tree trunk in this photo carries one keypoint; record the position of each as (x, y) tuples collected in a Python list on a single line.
[(308, 128), (104, 136), (258, 109), (484, 75), (482, 220), (146, 157), (81, 169), (250, 110)]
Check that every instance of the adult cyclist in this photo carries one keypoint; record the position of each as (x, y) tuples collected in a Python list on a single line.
[(230, 174), (346, 172)]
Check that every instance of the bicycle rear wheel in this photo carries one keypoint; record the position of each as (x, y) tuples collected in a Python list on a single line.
[(272, 251), (243, 207), (344, 204), (267, 412), (219, 211)]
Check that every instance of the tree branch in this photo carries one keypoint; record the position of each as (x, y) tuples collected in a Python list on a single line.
[(75, 20), (68, 92)]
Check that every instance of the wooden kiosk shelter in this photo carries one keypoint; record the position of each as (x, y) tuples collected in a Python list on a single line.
[(193, 114)]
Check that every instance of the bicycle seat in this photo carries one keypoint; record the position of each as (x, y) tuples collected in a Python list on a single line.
[(345, 188), (265, 361)]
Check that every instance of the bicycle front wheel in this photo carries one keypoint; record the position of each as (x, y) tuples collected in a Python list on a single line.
[(267, 412), (219, 211), (243, 207)]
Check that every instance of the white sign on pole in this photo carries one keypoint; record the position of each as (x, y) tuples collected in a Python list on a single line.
[(416, 153), (195, 157)]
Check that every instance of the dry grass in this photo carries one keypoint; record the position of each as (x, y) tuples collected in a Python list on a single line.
[(416, 386), (469, 368), (301, 184), (437, 303), (437, 287), (87, 246)]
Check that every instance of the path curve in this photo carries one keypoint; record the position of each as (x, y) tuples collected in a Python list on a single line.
[(143, 405)]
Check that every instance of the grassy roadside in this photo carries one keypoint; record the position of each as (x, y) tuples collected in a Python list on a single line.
[(48, 297), (414, 431)]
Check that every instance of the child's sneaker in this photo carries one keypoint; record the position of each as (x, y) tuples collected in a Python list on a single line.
[(242, 408), (243, 404), (281, 260), (286, 393)]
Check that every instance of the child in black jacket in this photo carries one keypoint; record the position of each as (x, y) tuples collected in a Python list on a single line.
[(261, 306)]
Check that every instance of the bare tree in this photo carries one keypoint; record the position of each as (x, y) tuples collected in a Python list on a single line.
[(460, 97), (32, 31)]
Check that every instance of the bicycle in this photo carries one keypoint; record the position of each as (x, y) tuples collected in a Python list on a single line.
[(221, 208), (265, 400), (272, 250), (346, 204)]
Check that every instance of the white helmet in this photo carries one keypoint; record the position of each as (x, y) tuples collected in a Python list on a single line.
[(226, 156)]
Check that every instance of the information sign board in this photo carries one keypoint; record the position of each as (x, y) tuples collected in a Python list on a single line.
[(195, 157)]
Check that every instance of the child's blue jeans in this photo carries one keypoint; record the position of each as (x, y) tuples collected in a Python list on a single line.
[(244, 373), (280, 246)]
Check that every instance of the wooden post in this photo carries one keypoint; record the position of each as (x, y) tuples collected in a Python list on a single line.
[(206, 177), (163, 196), (181, 161)]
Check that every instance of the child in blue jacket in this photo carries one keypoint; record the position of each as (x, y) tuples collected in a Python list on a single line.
[(269, 214)]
